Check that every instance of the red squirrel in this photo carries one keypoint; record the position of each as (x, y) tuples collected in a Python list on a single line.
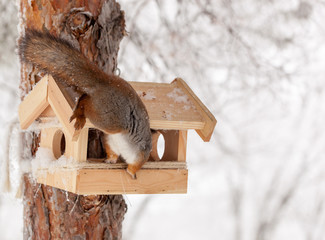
[(108, 101)]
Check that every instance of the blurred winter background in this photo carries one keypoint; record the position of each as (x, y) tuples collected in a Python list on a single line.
[(259, 66)]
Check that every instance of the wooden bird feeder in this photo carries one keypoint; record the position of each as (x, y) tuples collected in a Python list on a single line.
[(173, 109)]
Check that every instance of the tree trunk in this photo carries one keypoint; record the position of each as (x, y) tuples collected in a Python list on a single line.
[(96, 27)]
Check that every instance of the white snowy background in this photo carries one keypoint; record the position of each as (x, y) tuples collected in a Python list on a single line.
[(259, 66)]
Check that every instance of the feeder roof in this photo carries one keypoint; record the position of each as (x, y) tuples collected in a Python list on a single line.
[(170, 106)]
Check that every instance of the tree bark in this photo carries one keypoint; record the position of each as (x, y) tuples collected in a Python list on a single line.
[(96, 28)]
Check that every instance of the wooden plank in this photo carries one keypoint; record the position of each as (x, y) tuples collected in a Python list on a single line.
[(77, 149), (48, 112), (166, 125), (88, 179), (147, 165), (33, 104), (162, 125), (209, 119), (64, 179), (175, 145), (169, 107), (118, 181), (181, 149), (175, 125), (62, 109), (47, 137)]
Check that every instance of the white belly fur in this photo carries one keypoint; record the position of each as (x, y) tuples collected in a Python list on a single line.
[(120, 144)]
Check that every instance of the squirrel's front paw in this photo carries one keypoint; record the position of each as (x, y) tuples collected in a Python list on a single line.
[(111, 158), (80, 121)]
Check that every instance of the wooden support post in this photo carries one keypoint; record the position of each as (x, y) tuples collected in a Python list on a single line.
[(78, 149), (175, 145), (182, 142), (96, 27)]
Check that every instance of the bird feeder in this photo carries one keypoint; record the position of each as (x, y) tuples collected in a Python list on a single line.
[(173, 109)]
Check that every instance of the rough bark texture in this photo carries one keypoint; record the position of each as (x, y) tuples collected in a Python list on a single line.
[(50, 213), (96, 27)]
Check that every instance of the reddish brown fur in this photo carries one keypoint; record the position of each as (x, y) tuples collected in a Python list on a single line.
[(111, 155)]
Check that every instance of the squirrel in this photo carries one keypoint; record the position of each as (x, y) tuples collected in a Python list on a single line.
[(108, 101)]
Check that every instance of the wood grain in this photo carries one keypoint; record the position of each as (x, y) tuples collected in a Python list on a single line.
[(77, 149), (61, 108), (209, 120), (33, 104), (118, 181)]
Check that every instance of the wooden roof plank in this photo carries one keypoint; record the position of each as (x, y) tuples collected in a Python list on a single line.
[(210, 121), (169, 108), (61, 108), (33, 104)]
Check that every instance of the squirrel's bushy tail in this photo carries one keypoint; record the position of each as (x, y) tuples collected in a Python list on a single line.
[(58, 58)]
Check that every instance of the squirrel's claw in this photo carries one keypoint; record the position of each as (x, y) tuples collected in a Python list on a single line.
[(80, 121), (73, 116), (133, 175)]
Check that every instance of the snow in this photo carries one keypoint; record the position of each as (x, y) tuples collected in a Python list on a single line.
[(11, 216), (45, 159), (178, 96), (148, 95), (259, 67), (167, 115), (48, 122)]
